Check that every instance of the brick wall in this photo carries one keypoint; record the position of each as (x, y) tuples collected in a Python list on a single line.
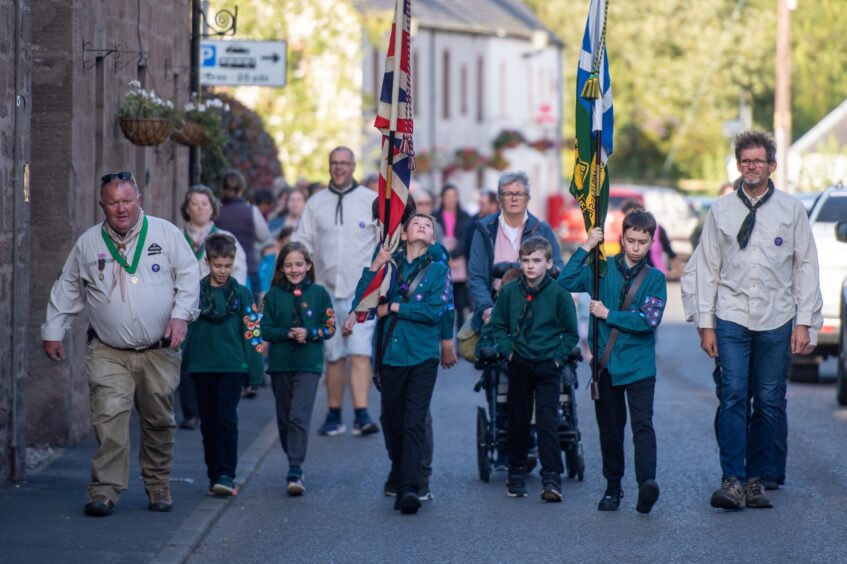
[(75, 139), (14, 245)]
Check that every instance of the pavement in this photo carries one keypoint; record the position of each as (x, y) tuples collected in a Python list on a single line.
[(42, 519), (344, 517)]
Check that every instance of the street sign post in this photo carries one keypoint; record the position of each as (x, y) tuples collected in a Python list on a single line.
[(242, 63)]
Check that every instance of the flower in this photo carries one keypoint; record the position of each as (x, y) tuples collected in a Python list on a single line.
[(139, 103)]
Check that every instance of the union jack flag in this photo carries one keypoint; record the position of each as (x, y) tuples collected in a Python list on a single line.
[(395, 121)]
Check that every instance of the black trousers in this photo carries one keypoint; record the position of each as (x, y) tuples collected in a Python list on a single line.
[(611, 419), (405, 398), (541, 382), (218, 394)]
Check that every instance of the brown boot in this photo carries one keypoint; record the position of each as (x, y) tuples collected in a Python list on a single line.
[(754, 493), (729, 496), (160, 499)]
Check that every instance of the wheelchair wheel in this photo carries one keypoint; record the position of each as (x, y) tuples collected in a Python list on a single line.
[(483, 462), (575, 462)]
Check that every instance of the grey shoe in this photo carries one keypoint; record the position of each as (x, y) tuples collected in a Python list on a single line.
[(729, 496), (754, 494)]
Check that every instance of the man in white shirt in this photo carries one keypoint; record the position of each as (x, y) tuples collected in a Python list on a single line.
[(140, 282), (338, 229), (758, 300)]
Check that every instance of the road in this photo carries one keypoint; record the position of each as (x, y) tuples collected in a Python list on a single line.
[(344, 518)]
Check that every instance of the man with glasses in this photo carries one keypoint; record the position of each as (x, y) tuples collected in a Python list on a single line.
[(498, 237), (140, 281), (338, 229), (758, 300)]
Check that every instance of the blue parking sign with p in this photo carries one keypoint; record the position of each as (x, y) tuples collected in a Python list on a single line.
[(208, 55)]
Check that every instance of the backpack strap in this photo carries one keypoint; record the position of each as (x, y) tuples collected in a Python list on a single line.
[(416, 281), (630, 295)]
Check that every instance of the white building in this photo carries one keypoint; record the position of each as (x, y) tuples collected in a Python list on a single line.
[(819, 158), (479, 68)]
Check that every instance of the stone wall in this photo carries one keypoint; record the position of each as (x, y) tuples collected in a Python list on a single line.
[(14, 245), (78, 81)]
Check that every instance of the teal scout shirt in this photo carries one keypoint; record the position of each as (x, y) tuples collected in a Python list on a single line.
[(634, 355)]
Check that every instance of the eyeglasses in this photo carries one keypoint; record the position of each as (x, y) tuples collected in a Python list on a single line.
[(749, 163), (340, 163), (123, 175), (514, 195)]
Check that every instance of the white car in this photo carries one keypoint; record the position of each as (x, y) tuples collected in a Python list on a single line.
[(829, 209)]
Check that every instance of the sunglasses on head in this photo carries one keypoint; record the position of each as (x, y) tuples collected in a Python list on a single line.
[(123, 175)]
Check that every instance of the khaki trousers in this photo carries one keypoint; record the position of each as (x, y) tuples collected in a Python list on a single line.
[(117, 380)]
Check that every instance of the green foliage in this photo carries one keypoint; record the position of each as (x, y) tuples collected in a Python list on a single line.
[(321, 105), (679, 68), (246, 146)]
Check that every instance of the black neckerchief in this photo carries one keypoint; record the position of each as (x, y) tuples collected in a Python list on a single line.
[(529, 293), (628, 274), (339, 207), (207, 302), (299, 305), (749, 222)]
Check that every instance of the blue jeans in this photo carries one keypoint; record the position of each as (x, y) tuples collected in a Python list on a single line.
[(765, 353)]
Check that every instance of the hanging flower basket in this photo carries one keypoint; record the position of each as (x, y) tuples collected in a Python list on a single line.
[(542, 145), (508, 139), (498, 162), (190, 134), (146, 132), (468, 158)]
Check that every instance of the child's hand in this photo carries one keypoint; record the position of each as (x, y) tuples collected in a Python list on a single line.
[(349, 323), (299, 334), (448, 354), (598, 310), (486, 315), (383, 309), (383, 257), (595, 237)]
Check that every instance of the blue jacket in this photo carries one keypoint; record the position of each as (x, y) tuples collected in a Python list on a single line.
[(481, 258)]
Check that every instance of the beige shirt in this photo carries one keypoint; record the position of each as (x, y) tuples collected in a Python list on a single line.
[(340, 247), (168, 287), (774, 280)]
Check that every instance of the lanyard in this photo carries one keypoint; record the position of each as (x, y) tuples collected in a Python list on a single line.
[(138, 248)]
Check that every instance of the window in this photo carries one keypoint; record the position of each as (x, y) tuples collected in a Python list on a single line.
[(480, 90), (833, 209), (416, 78), (463, 85), (445, 85), (376, 77)]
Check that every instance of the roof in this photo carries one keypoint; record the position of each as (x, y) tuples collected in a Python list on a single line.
[(834, 125), (503, 18)]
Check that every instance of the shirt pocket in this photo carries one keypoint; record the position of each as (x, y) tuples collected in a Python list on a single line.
[(778, 244)]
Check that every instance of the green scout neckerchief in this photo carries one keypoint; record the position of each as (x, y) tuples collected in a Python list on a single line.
[(119, 258), (207, 302)]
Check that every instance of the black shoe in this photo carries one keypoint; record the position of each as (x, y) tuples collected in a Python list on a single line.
[(611, 500), (648, 493), (99, 506), (189, 423), (409, 503), (516, 486), (552, 492)]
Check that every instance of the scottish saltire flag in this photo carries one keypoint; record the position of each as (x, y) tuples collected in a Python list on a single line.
[(394, 121), (594, 113)]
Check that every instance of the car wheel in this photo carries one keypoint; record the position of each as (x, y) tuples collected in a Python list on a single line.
[(804, 371)]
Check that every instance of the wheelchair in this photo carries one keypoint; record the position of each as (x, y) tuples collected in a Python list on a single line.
[(491, 419)]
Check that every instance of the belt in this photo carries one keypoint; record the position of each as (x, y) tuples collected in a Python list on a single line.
[(162, 343)]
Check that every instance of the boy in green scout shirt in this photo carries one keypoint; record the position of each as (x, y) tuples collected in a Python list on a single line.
[(628, 369), (534, 326), (226, 347), (411, 349)]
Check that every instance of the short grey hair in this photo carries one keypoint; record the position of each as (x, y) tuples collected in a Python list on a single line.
[(510, 178)]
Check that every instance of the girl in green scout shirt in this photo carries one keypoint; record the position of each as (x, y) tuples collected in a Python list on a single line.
[(411, 340), (227, 332), (298, 317), (628, 369), (534, 326)]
